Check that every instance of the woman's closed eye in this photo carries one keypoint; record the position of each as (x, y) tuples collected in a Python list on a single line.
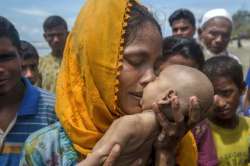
[(135, 61)]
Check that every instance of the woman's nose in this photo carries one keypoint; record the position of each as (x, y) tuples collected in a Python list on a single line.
[(147, 77)]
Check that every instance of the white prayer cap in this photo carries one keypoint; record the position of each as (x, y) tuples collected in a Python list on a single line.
[(215, 13)]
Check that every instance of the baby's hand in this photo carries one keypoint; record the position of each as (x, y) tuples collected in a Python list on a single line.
[(118, 134), (134, 134), (172, 132)]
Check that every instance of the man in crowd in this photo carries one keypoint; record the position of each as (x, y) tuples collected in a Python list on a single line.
[(182, 23), (23, 107), (215, 33), (55, 33)]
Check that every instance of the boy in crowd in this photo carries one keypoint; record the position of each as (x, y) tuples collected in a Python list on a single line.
[(30, 60), (230, 131), (23, 107)]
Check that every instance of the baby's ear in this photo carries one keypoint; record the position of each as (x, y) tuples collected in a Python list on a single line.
[(167, 95)]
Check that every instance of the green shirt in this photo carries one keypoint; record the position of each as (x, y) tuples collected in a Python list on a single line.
[(49, 67), (232, 145)]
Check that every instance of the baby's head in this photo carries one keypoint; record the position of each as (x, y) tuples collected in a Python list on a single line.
[(185, 82)]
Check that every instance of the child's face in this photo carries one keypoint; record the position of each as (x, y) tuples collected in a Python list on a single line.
[(30, 69), (227, 96)]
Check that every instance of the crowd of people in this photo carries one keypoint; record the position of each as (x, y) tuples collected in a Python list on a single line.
[(115, 91)]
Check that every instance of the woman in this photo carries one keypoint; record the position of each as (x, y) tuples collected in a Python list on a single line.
[(109, 58)]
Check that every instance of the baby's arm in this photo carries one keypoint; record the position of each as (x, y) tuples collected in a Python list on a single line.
[(130, 132)]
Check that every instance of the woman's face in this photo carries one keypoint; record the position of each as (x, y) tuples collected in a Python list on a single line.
[(138, 67)]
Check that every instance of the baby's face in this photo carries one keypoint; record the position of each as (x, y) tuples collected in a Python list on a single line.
[(185, 82), (153, 92), (162, 89)]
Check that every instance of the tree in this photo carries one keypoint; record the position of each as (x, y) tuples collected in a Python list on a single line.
[(241, 21)]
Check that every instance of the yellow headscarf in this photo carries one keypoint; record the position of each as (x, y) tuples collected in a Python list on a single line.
[(87, 84), (87, 81)]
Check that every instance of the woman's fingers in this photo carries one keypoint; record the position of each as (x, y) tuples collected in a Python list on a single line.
[(113, 156)]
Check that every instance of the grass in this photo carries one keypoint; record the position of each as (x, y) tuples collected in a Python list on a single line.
[(243, 53)]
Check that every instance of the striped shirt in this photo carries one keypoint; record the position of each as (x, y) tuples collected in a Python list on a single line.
[(36, 111)]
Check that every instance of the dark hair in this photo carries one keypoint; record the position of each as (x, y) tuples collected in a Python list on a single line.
[(7, 29), (182, 14), (54, 21), (139, 15), (28, 51), (224, 66), (186, 47)]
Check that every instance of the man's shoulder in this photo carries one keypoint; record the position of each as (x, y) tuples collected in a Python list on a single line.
[(49, 64), (46, 94), (245, 120), (45, 59), (46, 105), (46, 97), (47, 56)]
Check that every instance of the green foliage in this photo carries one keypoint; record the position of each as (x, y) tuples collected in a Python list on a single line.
[(241, 21)]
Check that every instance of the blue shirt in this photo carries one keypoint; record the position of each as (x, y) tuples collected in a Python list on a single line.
[(248, 78), (36, 111)]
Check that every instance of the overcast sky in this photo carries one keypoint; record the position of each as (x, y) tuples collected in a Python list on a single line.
[(28, 15)]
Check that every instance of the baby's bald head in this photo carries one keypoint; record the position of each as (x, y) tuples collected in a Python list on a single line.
[(185, 81)]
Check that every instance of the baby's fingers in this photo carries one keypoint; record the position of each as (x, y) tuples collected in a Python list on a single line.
[(194, 111), (163, 121), (176, 112)]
